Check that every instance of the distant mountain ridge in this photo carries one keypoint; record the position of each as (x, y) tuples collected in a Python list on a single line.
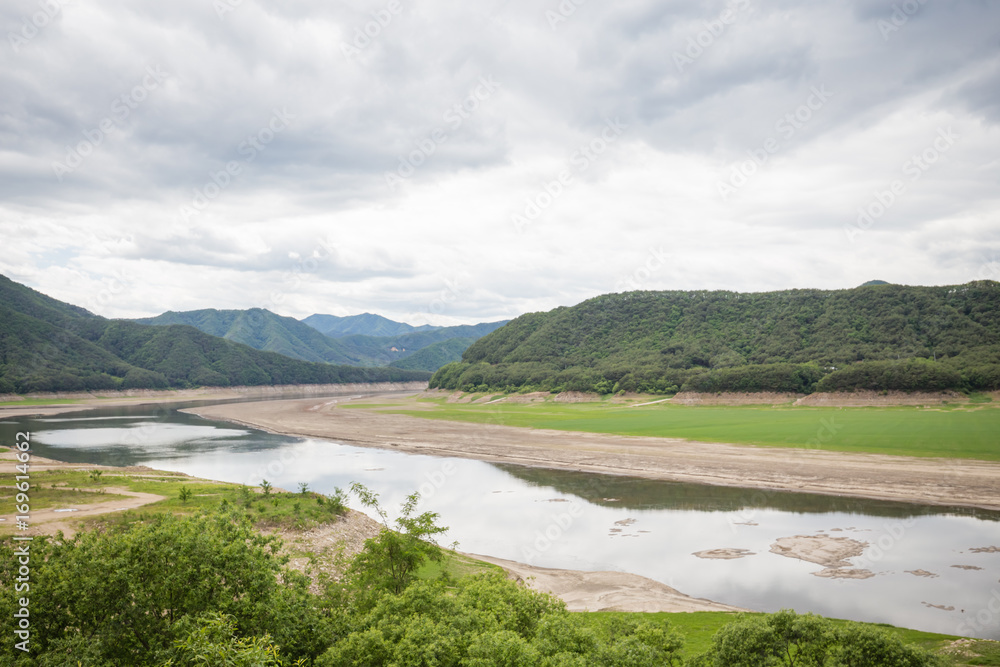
[(365, 324), (48, 345), (263, 330)]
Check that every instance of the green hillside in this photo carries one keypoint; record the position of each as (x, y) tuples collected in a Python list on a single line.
[(366, 324), (874, 337), (47, 345), (436, 355), (263, 330)]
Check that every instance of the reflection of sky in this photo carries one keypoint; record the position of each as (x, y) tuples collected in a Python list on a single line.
[(490, 511), (143, 435)]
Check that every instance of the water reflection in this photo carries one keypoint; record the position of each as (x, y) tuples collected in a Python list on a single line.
[(592, 522)]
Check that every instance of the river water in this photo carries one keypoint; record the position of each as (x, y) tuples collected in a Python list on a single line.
[(595, 522)]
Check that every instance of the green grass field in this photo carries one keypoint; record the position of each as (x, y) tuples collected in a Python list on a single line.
[(31, 402), (698, 628), (954, 431)]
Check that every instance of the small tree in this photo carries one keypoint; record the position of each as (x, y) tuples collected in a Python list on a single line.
[(185, 494), (265, 487), (303, 488), (389, 561)]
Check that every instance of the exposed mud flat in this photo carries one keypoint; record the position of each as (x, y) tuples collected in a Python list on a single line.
[(723, 554), (605, 591), (830, 552)]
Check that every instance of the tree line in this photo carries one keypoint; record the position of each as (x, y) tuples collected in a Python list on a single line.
[(879, 337)]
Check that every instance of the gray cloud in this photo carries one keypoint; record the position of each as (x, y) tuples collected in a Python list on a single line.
[(390, 144)]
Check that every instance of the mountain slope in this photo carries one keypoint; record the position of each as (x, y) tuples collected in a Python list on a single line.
[(47, 345), (658, 341), (435, 355), (263, 330), (388, 350), (366, 324)]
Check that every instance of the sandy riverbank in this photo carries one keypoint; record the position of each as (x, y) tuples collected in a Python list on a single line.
[(82, 400), (916, 480)]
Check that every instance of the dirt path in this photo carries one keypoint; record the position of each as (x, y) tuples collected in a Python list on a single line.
[(907, 479), (51, 520)]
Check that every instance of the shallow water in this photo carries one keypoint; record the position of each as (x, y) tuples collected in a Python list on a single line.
[(595, 522)]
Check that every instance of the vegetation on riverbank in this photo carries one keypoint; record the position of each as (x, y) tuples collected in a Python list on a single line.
[(192, 579)]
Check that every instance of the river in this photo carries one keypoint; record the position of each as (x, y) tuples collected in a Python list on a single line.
[(594, 522)]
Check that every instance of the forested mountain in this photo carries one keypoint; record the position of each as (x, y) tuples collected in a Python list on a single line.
[(366, 324), (436, 355), (877, 336), (263, 330), (48, 345)]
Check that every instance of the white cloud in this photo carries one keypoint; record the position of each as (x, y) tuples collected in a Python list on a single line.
[(205, 200)]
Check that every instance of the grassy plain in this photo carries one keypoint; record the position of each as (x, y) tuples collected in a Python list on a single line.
[(969, 431)]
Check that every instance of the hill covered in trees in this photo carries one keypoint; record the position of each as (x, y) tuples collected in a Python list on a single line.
[(879, 336), (365, 324), (263, 330), (48, 345)]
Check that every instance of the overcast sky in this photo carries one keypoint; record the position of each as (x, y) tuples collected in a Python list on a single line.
[(452, 162)]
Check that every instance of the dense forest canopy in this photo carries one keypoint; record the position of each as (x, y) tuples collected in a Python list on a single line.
[(877, 336)]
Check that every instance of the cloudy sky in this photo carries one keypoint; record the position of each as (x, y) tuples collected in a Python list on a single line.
[(458, 162)]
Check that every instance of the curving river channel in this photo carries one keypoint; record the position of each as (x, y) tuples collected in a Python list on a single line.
[(935, 568)]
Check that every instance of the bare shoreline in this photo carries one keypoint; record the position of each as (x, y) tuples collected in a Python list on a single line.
[(948, 482), (85, 400)]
